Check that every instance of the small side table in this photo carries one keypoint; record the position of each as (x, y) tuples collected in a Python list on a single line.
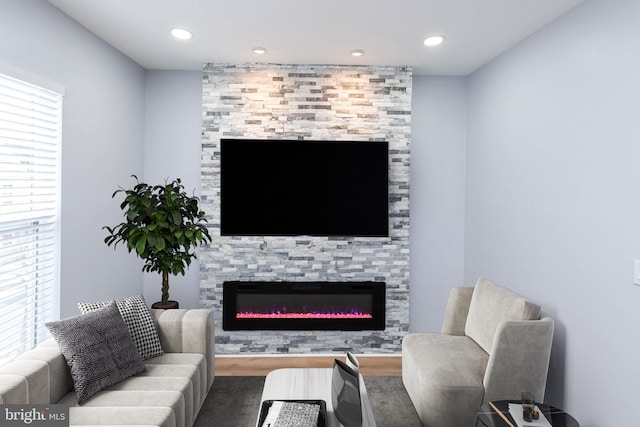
[(557, 417)]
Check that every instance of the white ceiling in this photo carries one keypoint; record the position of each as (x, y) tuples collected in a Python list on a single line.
[(315, 32)]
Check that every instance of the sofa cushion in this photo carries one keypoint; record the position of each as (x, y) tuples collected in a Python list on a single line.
[(182, 385), (36, 376), (138, 318), (492, 304), (59, 380), (180, 371), (443, 376), (126, 398), (13, 389), (190, 359), (122, 416), (98, 349)]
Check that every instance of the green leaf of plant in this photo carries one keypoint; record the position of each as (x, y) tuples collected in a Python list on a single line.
[(177, 219), (160, 243), (141, 245)]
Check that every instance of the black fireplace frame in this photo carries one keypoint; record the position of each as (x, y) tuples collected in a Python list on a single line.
[(232, 288)]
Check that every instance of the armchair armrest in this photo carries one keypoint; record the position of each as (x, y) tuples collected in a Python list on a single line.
[(455, 315), (519, 359), (188, 331)]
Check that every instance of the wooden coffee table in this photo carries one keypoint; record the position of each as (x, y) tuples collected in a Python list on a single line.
[(310, 384)]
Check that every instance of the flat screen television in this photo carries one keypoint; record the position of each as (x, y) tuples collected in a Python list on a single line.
[(303, 187)]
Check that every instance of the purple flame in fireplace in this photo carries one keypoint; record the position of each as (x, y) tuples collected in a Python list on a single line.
[(283, 314)]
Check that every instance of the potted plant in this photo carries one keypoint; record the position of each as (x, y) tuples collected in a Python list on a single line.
[(163, 226)]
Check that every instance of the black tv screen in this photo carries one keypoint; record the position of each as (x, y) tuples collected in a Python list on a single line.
[(302, 187)]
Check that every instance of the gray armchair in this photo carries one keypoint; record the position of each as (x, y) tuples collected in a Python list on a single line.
[(494, 344)]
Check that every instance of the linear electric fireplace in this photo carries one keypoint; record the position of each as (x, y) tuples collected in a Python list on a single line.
[(352, 306)]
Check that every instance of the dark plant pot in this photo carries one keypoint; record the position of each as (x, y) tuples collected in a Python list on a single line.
[(170, 305)]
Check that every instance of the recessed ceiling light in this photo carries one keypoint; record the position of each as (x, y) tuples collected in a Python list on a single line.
[(259, 50), (181, 33), (433, 41), (357, 52)]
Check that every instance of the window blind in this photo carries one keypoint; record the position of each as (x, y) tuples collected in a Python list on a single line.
[(30, 130)]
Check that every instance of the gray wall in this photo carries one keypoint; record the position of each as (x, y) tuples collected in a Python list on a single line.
[(173, 124), (103, 128), (552, 197), (439, 115)]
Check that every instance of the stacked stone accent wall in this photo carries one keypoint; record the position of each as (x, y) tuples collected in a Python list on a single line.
[(269, 101)]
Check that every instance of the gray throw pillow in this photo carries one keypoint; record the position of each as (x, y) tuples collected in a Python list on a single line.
[(138, 318), (98, 349)]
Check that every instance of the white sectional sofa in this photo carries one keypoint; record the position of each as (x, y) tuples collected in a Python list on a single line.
[(169, 393)]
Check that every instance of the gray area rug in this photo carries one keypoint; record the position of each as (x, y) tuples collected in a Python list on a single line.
[(235, 401)]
